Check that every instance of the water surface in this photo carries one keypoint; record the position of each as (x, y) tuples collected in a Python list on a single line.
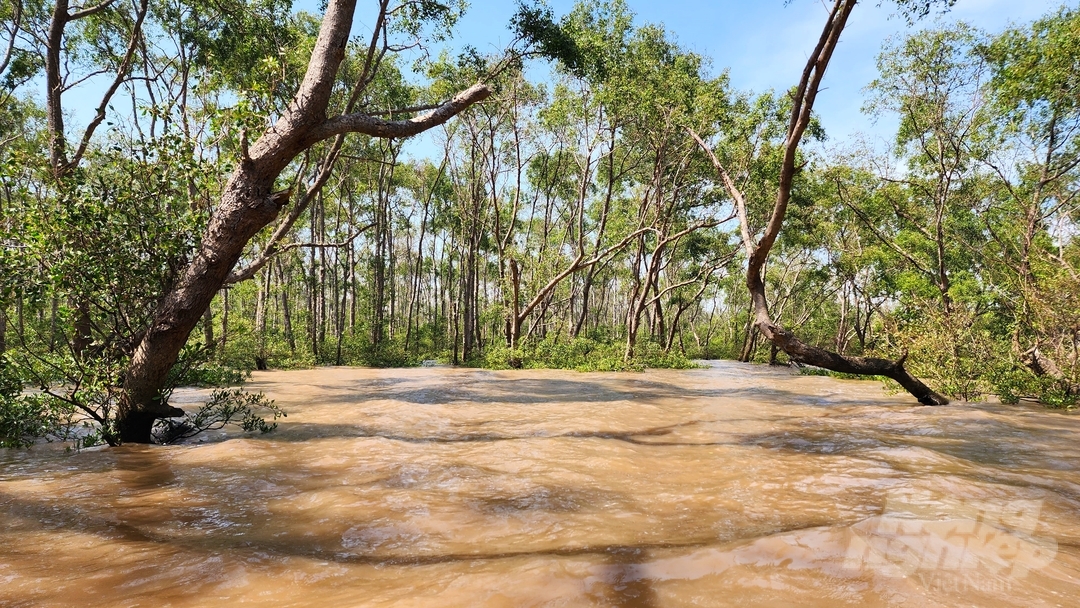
[(732, 485)]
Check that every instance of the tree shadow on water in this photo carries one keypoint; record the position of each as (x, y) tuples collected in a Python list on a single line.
[(289, 432), (522, 391), (627, 588)]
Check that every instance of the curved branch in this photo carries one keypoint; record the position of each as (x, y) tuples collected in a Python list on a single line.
[(121, 74), (16, 24), (579, 263), (732, 190), (90, 10), (369, 125)]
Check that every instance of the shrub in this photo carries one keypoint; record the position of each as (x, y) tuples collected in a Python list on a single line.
[(224, 407), (584, 354)]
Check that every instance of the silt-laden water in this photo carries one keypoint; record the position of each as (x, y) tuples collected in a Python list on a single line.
[(732, 485)]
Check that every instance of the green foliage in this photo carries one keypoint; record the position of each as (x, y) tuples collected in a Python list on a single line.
[(357, 349), (28, 414), (209, 372), (1035, 67), (21, 419), (535, 23), (914, 10), (224, 407), (233, 39), (953, 350), (1012, 383), (817, 371), (585, 355)]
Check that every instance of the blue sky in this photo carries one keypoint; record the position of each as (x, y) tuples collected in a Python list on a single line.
[(764, 43)]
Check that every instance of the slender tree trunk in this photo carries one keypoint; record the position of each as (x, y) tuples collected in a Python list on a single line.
[(468, 296), (312, 299), (586, 290), (515, 318), (208, 330), (414, 301), (260, 322), (20, 316), (340, 320), (83, 336), (286, 313), (749, 341), (224, 321), (673, 330), (54, 324)]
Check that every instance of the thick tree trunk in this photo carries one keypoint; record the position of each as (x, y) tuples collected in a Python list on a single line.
[(248, 204), (246, 207), (800, 352)]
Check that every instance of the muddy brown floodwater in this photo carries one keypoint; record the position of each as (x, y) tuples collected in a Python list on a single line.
[(732, 485)]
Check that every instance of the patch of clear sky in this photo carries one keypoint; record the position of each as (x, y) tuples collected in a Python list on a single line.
[(764, 44)]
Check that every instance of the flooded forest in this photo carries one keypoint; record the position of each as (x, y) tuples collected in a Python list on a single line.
[(322, 303)]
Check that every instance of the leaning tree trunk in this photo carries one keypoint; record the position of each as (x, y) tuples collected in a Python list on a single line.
[(796, 349), (248, 204)]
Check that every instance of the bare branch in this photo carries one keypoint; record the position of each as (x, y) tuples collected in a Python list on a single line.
[(121, 74), (16, 24), (705, 272), (733, 192), (91, 10), (345, 243), (411, 110), (369, 125), (578, 264)]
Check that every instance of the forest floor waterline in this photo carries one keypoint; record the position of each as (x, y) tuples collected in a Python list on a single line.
[(729, 485)]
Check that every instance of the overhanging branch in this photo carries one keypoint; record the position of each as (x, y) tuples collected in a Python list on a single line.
[(368, 124)]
